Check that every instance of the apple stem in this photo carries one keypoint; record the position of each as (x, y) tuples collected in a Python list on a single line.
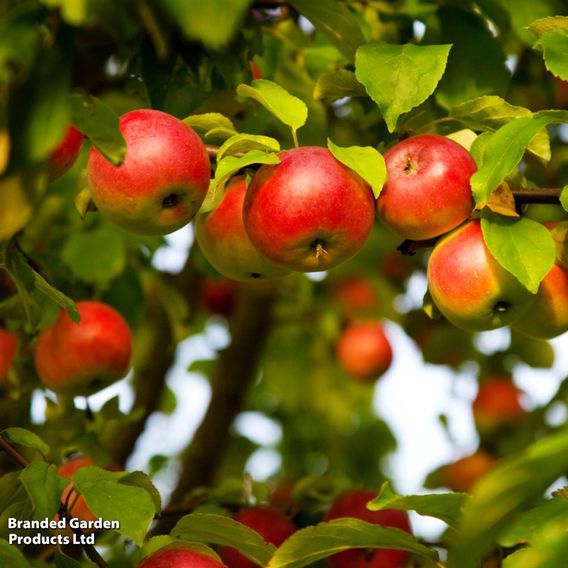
[(295, 137)]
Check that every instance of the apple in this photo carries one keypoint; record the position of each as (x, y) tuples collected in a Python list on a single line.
[(498, 402), (9, 343), (355, 296), (65, 154), (224, 242), (464, 473), (309, 212), (469, 287), (176, 555), (427, 192), (272, 525), (219, 296), (364, 351), (354, 504), (161, 183), (77, 506), (79, 359)]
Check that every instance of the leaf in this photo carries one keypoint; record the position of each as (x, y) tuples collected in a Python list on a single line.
[(140, 479), (564, 198), (502, 201), (64, 561), (314, 543), (366, 161), (285, 107), (522, 246), (99, 123), (444, 506), (336, 21), (400, 77), (505, 148), (336, 85), (44, 487), (200, 20), (210, 122), (10, 556), (209, 528), (107, 497), (550, 24), (537, 353), (465, 138), (559, 234), (25, 438), (244, 142), (555, 48), (497, 499)]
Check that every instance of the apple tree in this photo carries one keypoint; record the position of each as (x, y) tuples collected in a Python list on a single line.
[(347, 178)]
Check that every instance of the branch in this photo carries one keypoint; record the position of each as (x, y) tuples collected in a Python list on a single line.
[(235, 372), (89, 549)]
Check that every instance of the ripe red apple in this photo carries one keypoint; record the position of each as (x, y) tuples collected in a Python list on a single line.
[(224, 242), (176, 555), (79, 359), (354, 504), (65, 154), (309, 212), (161, 183), (364, 351), (498, 402), (355, 296), (219, 296), (427, 192), (272, 525), (9, 343), (469, 287), (464, 473)]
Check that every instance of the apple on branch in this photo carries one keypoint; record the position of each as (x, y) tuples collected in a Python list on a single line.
[(178, 555), (65, 154)]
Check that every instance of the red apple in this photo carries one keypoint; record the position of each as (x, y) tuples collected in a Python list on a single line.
[(219, 296), (79, 359), (364, 351), (498, 402), (9, 343), (176, 555), (469, 287), (427, 192), (161, 183), (224, 242), (272, 525), (309, 212), (77, 506), (65, 154), (354, 504), (464, 473), (355, 296)]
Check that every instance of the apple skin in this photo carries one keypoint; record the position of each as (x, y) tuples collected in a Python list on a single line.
[(547, 317), (65, 154), (355, 296), (219, 296), (364, 351), (427, 192), (272, 525), (78, 506), (498, 402), (309, 212), (354, 504), (161, 183), (223, 240), (463, 474), (79, 359), (9, 343), (469, 287), (177, 556)]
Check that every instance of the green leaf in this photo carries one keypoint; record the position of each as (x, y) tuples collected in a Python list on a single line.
[(498, 498), (537, 353), (526, 527), (97, 256), (336, 21), (366, 161), (314, 543), (44, 487), (209, 123), (200, 20), (564, 198), (400, 77), (336, 85), (107, 497), (244, 142), (549, 24), (555, 48), (140, 479), (522, 246), (99, 123), (10, 556), (285, 107), (444, 506), (64, 561), (490, 112), (224, 531), (505, 149), (25, 438)]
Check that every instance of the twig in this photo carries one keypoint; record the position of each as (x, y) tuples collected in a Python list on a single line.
[(542, 195), (12, 452)]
